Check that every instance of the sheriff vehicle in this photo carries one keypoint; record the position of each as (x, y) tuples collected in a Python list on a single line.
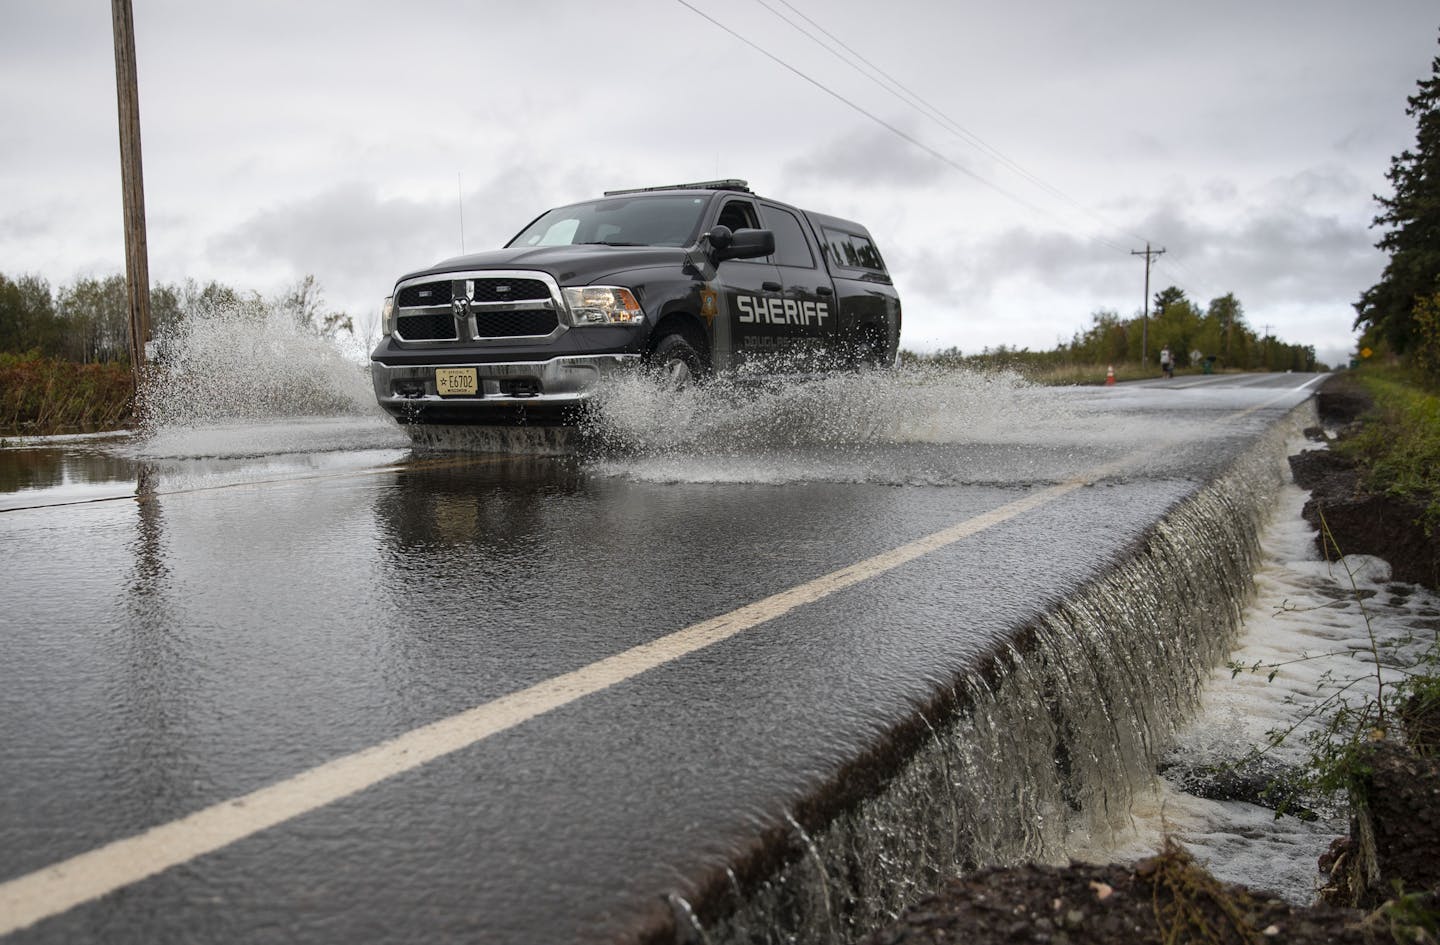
[(685, 280)]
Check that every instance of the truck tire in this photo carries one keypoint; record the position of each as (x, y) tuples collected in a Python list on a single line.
[(676, 361), (871, 348)]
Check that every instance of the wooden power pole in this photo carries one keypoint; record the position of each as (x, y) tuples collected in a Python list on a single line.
[(137, 264), (1149, 255)]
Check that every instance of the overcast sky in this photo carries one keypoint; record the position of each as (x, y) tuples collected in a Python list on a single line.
[(341, 139)]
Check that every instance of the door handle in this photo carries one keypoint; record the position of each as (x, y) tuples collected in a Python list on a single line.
[(770, 286), (824, 290)]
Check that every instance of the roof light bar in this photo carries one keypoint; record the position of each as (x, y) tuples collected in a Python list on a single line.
[(731, 184)]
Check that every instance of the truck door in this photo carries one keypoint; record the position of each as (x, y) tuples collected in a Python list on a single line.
[(751, 289), (809, 298)]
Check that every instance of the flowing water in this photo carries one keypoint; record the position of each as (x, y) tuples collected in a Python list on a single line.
[(1318, 626), (1053, 753), (1045, 749), (1048, 750)]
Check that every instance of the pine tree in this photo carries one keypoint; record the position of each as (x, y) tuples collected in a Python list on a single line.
[(1412, 218)]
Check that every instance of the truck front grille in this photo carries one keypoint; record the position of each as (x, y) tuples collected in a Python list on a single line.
[(497, 304), (515, 324), (440, 327), (510, 290), (428, 293)]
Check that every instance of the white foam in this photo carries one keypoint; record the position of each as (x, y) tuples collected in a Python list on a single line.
[(1315, 620)]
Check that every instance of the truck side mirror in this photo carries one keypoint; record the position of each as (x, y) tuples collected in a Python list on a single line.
[(741, 244)]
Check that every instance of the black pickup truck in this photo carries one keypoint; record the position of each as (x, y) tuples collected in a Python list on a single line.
[(684, 280)]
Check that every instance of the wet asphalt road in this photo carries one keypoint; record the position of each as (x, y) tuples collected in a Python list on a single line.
[(182, 628)]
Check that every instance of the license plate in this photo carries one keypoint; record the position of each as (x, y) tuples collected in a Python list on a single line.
[(456, 382)]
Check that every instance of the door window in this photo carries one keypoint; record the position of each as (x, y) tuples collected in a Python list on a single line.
[(738, 215), (791, 246)]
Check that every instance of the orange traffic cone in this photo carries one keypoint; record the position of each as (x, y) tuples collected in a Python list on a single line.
[(1110, 375)]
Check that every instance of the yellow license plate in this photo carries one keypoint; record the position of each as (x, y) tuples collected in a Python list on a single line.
[(456, 382)]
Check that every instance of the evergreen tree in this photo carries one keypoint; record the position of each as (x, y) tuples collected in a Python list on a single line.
[(1166, 297), (1176, 323), (1412, 215)]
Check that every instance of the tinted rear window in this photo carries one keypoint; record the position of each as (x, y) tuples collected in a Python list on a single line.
[(851, 251)]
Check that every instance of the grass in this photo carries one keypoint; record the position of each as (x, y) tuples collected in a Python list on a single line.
[(40, 396), (1044, 368), (1398, 447)]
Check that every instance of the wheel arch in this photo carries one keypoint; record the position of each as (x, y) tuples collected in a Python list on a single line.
[(680, 321)]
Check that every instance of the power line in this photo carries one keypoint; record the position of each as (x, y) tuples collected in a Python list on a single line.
[(917, 102), (951, 162), (1177, 266)]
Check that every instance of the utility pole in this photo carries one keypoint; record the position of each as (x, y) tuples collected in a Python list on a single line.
[(1149, 255), (137, 263)]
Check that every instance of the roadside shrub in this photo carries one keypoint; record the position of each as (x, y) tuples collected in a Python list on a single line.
[(41, 396), (1426, 351), (1399, 447)]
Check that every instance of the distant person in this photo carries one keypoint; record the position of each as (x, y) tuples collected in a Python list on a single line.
[(1167, 363)]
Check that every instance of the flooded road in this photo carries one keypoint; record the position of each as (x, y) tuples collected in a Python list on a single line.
[(296, 680)]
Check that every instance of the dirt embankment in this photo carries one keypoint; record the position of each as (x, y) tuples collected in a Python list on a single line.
[(1349, 519), (1394, 836)]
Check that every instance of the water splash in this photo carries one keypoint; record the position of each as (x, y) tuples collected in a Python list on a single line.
[(897, 427), (733, 415), (245, 380), (511, 440), (247, 364)]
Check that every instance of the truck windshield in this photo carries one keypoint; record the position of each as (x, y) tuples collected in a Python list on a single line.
[(618, 221)]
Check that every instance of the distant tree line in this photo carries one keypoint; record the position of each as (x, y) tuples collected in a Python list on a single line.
[(87, 321), (1218, 333)]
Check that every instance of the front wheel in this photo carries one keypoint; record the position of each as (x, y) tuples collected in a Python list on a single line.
[(676, 361), (870, 349)]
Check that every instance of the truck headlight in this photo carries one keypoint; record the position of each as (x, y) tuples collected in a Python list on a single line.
[(387, 315), (603, 305)]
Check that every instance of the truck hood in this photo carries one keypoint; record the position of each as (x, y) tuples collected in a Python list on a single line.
[(570, 265)]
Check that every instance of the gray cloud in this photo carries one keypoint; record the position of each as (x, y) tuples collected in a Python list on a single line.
[(348, 232), (284, 139), (357, 242), (1293, 263), (869, 157)]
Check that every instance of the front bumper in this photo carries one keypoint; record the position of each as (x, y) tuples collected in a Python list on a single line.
[(551, 391)]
